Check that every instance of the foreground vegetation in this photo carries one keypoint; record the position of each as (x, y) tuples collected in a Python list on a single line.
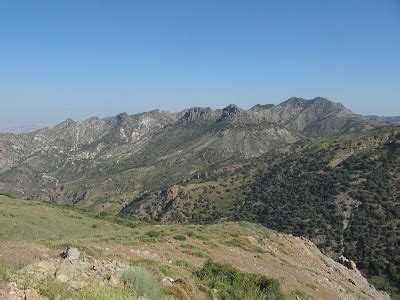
[(231, 260)]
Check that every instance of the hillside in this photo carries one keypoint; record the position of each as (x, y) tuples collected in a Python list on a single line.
[(33, 233), (341, 192)]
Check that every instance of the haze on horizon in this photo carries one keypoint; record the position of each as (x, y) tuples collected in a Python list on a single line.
[(77, 59)]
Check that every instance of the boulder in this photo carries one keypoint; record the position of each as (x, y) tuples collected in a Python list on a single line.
[(70, 253), (167, 282), (348, 263)]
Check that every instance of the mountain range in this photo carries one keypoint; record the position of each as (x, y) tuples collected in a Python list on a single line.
[(191, 141), (391, 119), (305, 167)]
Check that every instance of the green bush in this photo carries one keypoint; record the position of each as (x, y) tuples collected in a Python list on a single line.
[(142, 281), (180, 237), (234, 284), (153, 234)]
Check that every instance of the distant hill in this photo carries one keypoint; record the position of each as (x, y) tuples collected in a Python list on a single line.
[(22, 128), (393, 119)]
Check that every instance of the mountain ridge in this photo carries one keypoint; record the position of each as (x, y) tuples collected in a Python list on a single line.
[(194, 136)]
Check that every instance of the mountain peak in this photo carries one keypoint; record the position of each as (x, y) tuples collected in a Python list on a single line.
[(66, 123), (321, 99), (198, 113), (122, 116), (259, 107), (232, 108)]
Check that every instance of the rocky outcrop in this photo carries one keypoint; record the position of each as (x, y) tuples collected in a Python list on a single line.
[(348, 263), (73, 268), (70, 253), (171, 193)]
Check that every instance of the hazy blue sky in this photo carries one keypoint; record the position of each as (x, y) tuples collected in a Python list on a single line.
[(76, 59)]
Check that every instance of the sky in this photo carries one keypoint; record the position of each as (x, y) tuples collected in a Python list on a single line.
[(77, 59)]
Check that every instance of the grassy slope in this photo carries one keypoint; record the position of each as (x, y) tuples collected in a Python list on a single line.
[(30, 228)]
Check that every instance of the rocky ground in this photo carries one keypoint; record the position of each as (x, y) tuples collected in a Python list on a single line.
[(299, 264), (71, 267)]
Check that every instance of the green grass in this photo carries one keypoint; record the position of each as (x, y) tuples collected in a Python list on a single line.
[(245, 245), (45, 223), (4, 269), (196, 253), (185, 264), (153, 234), (57, 290)]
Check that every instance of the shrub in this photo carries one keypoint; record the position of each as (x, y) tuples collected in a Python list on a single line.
[(234, 284), (142, 281), (180, 237), (153, 234)]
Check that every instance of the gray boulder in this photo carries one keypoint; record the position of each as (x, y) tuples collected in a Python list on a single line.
[(70, 253)]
